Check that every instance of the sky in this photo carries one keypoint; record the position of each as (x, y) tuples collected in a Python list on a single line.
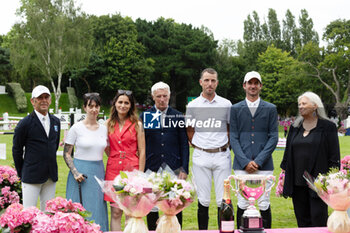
[(223, 17)]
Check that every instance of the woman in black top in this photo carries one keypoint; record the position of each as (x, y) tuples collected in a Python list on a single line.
[(312, 146)]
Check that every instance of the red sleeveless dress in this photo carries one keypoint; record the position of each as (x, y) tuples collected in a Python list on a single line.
[(123, 152)]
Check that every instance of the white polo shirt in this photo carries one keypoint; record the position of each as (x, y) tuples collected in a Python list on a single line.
[(210, 120)]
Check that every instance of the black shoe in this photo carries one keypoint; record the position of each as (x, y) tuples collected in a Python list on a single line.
[(203, 217)]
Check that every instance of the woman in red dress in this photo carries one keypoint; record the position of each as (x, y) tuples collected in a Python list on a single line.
[(126, 144)]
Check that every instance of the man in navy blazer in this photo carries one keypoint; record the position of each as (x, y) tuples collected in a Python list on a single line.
[(35, 145), (166, 140), (253, 138)]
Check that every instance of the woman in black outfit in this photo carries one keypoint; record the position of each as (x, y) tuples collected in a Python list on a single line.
[(312, 146)]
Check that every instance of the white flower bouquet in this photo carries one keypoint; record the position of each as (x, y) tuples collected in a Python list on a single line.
[(177, 195), (334, 189)]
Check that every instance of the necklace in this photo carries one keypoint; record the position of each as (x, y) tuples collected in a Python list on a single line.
[(308, 126)]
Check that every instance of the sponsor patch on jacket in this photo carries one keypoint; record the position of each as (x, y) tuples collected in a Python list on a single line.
[(56, 128)]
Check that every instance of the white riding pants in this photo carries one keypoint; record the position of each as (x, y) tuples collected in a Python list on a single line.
[(31, 192), (207, 166)]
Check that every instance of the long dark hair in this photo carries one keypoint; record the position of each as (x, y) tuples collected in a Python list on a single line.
[(132, 113)]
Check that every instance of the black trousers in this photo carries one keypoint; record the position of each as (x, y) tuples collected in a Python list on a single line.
[(309, 211), (152, 218)]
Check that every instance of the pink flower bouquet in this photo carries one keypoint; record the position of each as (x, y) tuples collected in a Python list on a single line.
[(178, 194), (345, 164), (133, 193), (279, 188), (334, 189)]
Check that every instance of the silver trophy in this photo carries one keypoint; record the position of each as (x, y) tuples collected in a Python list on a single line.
[(252, 187)]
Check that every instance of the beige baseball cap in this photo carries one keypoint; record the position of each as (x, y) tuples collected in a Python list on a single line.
[(250, 75), (39, 90)]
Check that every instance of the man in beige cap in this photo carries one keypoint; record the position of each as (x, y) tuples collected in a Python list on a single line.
[(35, 145), (253, 138)]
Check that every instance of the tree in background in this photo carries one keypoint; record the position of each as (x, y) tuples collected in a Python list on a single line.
[(231, 71), (290, 34), (117, 60), (127, 68), (54, 36), (257, 37), (255, 41), (331, 65), (180, 52), (306, 29), (282, 83), (90, 75), (5, 65), (273, 35)]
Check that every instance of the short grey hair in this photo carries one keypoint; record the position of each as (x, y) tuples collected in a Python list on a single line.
[(315, 99), (160, 86)]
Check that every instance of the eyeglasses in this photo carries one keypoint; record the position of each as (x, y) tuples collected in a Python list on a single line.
[(124, 92), (86, 95)]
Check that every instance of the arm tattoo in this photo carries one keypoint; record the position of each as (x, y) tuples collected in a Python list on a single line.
[(68, 159)]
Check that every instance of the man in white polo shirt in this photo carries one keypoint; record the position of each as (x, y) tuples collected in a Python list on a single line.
[(207, 129)]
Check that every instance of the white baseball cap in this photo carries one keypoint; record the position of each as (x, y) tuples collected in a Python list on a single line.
[(252, 74), (39, 90)]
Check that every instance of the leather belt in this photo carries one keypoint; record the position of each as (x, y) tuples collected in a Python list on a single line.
[(220, 149)]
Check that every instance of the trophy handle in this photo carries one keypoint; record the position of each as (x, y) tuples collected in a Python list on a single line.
[(273, 178), (233, 177)]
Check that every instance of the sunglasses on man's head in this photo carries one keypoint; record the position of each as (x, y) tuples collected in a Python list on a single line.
[(91, 94), (124, 92)]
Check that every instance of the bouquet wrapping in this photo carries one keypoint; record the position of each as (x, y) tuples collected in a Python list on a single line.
[(334, 189), (177, 195), (133, 193)]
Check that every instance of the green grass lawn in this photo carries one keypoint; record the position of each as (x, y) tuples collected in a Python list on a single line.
[(282, 209)]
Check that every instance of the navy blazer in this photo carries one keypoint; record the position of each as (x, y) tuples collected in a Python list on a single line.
[(167, 145), (325, 155), (39, 160), (253, 138)]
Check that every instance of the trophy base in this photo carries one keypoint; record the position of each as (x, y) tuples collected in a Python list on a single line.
[(251, 224)]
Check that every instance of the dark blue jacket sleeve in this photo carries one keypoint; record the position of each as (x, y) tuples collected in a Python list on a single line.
[(19, 140)]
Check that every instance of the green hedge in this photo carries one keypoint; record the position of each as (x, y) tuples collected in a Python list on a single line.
[(18, 94), (73, 100)]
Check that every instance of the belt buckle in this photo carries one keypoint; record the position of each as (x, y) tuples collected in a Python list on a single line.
[(122, 154)]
